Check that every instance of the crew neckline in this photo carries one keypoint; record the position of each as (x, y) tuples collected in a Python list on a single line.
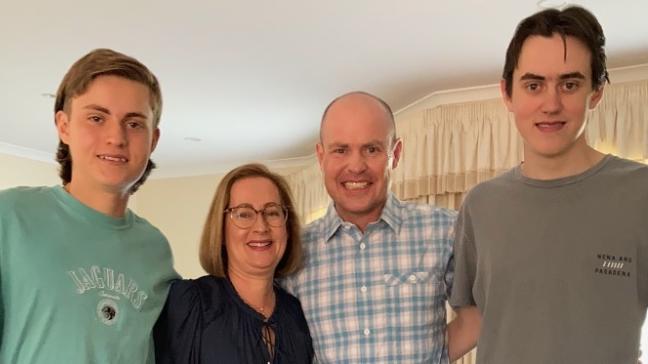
[(562, 181), (93, 216)]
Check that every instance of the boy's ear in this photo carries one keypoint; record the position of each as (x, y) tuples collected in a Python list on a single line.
[(596, 97), (62, 126), (156, 138), (505, 96)]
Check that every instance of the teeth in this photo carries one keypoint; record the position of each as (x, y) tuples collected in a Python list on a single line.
[(550, 126), (355, 185), (260, 244), (112, 159)]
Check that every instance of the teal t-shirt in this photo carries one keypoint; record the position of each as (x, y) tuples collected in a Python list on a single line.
[(77, 286)]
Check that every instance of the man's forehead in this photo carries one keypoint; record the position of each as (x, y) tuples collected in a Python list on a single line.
[(349, 131), (341, 142), (355, 118)]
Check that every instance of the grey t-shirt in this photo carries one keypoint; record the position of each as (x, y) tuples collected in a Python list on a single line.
[(558, 268)]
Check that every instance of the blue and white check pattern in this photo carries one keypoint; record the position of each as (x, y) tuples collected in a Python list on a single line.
[(378, 297)]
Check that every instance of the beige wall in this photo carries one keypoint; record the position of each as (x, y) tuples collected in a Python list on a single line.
[(19, 171), (178, 207)]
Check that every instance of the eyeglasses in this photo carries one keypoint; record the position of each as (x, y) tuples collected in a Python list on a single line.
[(245, 216)]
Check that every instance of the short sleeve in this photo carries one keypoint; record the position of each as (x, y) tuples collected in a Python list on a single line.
[(177, 331), (464, 261)]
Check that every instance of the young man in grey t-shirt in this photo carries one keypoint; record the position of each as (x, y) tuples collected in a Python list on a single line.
[(554, 252)]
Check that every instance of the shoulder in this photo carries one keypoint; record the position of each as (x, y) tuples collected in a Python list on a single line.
[(203, 294), (622, 167), (144, 225), (19, 198), (290, 302), (183, 292), (292, 307), (492, 188), (624, 180), (191, 291), (425, 210), (315, 225), (431, 227), (413, 213), (314, 230), (151, 236), (25, 194)]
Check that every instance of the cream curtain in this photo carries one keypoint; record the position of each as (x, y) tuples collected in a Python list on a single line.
[(450, 148), (309, 193), (620, 123)]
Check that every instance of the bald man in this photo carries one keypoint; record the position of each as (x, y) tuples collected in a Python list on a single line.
[(378, 271)]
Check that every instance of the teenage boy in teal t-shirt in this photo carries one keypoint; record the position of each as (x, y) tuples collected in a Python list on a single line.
[(82, 278)]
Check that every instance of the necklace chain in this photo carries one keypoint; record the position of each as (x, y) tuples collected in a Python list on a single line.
[(262, 309)]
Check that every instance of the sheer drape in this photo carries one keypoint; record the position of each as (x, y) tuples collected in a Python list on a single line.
[(309, 193)]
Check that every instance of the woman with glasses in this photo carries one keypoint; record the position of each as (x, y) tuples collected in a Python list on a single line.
[(237, 313)]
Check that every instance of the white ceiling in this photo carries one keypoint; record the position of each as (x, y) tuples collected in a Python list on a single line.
[(251, 78)]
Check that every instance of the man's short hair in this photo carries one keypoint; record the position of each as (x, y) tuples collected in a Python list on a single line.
[(573, 21), (103, 62), (385, 106)]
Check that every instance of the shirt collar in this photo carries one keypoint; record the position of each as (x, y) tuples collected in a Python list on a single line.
[(391, 215), (332, 221)]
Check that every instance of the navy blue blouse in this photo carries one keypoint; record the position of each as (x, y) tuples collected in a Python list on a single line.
[(205, 321)]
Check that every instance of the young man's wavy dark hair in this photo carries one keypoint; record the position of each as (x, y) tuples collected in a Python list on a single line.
[(103, 62), (573, 21)]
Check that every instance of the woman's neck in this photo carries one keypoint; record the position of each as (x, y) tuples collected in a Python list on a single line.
[(257, 292)]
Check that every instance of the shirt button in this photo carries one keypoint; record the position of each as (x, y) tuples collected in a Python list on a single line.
[(412, 278), (362, 246), (363, 289), (367, 332)]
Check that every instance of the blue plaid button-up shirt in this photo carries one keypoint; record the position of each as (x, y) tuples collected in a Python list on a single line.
[(378, 297)]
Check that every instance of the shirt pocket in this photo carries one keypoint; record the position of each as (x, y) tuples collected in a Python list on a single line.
[(415, 308), (413, 289)]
